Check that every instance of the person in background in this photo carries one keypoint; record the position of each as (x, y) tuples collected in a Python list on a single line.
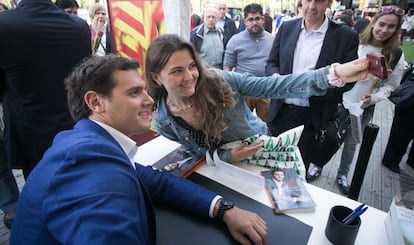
[(100, 34), (8, 186), (331, 42), (328, 13), (361, 24), (268, 21), (32, 70), (204, 108), (224, 22), (248, 51), (402, 133), (208, 39), (381, 36), (345, 17), (108, 100), (279, 19), (407, 25), (70, 6), (299, 13), (3, 7), (195, 19)]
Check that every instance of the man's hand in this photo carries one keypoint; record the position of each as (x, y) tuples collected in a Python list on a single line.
[(245, 150), (245, 227)]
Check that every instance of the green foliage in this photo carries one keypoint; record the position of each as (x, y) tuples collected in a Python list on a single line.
[(408, 49)]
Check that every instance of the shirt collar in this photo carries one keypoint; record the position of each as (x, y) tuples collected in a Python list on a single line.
[(127, 144), (322, 29)]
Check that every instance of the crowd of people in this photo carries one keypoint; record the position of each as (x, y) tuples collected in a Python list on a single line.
[(70, 107)]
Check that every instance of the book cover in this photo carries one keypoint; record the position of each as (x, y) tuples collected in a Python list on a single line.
[(180, 162), (399, 223), (286, 191), (277, 152)]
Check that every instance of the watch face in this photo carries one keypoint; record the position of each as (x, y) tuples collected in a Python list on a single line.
[(227, 203)]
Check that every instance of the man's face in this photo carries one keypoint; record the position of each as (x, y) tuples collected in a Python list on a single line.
[(129, 107), (278, 175), (210, 18), (314, 10), (254, 23), (222, 10)]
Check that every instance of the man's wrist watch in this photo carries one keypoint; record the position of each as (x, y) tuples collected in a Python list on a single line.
[(224, 206)]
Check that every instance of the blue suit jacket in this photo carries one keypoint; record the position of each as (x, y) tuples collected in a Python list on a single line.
[(85, 191), (340, 45)]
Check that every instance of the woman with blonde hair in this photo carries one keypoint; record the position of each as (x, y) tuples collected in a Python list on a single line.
[(380, 36), (100, 35), (204, 108)]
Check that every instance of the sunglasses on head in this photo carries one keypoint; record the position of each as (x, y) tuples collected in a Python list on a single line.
[(392, 9)]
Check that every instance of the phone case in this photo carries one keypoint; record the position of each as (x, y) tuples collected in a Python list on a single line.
[(377, 65)]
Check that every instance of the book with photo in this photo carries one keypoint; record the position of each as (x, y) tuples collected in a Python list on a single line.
[(286, 191), (180, 162)]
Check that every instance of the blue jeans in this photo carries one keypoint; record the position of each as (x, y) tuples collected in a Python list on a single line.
[(348, 151)]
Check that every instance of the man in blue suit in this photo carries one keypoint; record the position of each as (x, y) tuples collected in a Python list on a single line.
[(305, 44), (87, 188)]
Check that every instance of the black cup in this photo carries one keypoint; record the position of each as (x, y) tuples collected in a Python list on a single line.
[(336, 231)]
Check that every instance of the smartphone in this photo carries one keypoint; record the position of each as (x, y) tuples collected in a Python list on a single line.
[(377, 65)]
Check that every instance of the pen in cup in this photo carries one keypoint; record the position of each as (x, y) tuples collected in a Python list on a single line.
[(357, 212)]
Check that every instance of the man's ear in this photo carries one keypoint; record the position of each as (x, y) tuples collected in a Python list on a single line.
[(94, 101)]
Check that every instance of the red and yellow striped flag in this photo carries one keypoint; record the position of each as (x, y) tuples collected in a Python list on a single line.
[(134, 24)]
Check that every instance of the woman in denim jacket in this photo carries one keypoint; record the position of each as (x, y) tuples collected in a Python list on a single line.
[(204, 108)]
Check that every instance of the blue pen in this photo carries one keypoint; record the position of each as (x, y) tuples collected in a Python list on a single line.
[(357, 212)]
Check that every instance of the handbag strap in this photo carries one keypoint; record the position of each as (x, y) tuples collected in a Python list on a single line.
[(396, 57)]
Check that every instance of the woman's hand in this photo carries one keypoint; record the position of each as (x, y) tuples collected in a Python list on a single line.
[(353, 71), (245, 150), (366, 100)]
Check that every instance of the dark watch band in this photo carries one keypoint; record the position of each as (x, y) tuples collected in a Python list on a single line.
[(224, 206)]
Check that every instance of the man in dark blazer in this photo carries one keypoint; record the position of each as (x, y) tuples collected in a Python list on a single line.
[(40, 45), (295, 49), (87, 189)]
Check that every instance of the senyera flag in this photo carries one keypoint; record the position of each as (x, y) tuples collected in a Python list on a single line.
[(134, 24)]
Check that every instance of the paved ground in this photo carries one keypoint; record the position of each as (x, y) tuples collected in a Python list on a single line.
[(379, 185)]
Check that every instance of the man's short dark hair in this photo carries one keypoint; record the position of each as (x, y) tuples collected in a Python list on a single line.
[(253, 8), (93, 74)]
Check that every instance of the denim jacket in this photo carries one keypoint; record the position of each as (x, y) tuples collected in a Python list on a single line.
[(242, 123)]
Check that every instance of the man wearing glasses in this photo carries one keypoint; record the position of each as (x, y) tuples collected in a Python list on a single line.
[(248, 51)]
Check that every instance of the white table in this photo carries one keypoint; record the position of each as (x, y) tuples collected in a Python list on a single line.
[(372, 230)]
